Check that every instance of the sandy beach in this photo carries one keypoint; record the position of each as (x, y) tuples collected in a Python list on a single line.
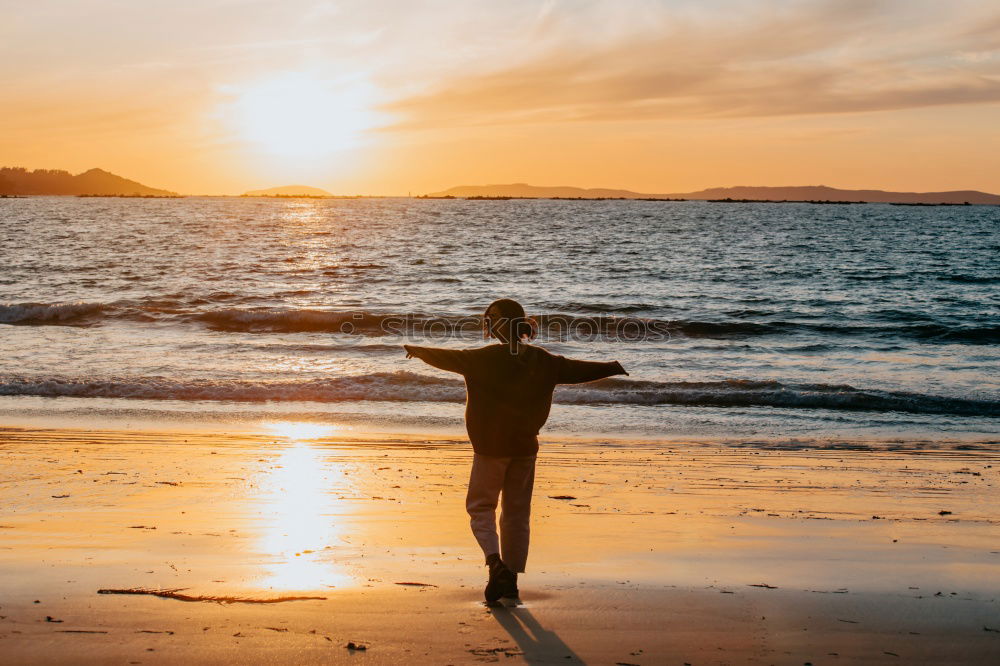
[(700, 553), (632, 333)]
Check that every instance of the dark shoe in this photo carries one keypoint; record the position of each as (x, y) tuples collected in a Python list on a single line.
[(510, 590), (502, 580)]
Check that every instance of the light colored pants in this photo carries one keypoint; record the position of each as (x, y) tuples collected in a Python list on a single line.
[(513, 478)]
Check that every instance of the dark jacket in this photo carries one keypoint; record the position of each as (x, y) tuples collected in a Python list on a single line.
[(509, 396)]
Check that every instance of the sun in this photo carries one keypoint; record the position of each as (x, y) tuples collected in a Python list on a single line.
[(301, 115)]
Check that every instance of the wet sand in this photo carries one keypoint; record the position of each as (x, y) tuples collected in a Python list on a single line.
[(696, 553)]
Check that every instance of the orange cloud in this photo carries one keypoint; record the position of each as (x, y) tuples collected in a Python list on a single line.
[(841, 57)]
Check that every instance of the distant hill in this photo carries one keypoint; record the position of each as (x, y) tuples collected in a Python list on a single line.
[(796, 193), (823, 193), (289, 191), (17, 180)]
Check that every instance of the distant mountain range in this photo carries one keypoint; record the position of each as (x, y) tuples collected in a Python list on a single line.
[(798, 193), (16, 180), (289, 191)]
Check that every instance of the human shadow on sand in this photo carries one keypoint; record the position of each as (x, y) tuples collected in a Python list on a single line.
[(540, 645)]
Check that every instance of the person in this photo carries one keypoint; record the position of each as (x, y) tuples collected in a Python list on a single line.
[(509, 390)]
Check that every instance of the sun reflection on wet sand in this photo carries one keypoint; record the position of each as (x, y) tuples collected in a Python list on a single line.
[(299, 431), (301, 513)]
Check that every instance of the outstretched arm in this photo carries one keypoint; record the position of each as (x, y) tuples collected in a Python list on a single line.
[(576, 372), (452, 360)]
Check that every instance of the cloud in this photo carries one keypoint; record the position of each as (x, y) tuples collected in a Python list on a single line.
[(813, 58)]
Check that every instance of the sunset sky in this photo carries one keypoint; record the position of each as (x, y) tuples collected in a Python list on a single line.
[(221, 96)]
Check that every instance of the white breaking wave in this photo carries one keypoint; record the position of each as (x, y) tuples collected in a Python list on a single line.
[(413, 387)]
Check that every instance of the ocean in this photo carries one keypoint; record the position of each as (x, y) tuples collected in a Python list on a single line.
[(752, 324)]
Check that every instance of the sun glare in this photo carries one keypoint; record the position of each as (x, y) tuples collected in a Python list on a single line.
[(298, 431), (302, 521), (299, 115)]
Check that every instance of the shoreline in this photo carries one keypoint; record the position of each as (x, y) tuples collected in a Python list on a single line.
[(331, 433), (687, 553), (761, 428)]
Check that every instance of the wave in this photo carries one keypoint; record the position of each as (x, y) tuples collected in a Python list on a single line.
[(611, 308), (53, 314), (764, 393), (557, 326), (553, 326), (971, 279), (388, 386), (405, 386), (338, 348), (305, 320)]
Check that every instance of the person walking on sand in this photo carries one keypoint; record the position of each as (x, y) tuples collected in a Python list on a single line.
[(509, 388)]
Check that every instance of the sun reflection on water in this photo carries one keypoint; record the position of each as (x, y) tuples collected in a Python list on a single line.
[(301, 513)]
